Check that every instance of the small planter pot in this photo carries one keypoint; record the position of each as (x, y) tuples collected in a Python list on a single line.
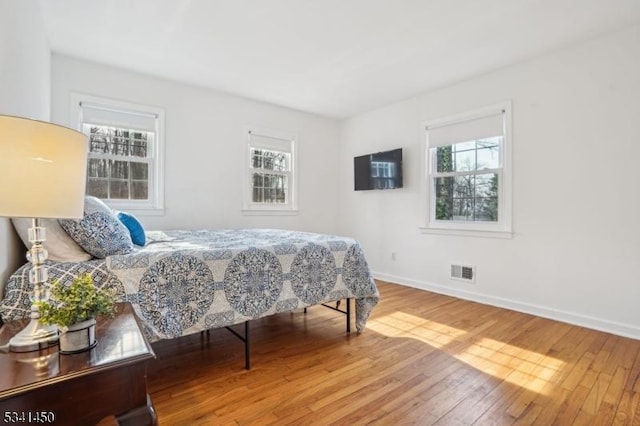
[(79, 337)]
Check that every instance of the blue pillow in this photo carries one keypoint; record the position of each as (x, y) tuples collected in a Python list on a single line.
[(134, 226)]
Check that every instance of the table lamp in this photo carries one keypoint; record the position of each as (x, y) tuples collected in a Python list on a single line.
[(43, 168)]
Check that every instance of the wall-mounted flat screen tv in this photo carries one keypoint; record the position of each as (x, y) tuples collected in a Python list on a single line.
[(382, 170)]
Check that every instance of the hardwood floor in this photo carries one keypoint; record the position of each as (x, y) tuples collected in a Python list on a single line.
[(424, 359)]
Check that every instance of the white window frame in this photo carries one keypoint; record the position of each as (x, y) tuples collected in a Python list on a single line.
[(500, 229), (155, 204), (281, 141)]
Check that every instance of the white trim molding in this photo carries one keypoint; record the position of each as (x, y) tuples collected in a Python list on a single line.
[(600, 324), (145, 117), (279, 141), (479, 123)]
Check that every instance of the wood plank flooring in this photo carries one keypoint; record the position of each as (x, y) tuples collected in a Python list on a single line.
[(424, 359)]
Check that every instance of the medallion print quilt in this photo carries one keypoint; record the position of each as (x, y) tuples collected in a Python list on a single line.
[(183, 282)]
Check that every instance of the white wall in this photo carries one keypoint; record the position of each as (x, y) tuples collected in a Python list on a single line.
[(576, 211), (25, 64), (576, 148), (205, 147)]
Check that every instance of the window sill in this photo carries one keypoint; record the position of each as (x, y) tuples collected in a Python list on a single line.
[(269, 212), (467, 232)]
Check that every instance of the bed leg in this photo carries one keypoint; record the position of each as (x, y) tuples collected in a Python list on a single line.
[(348, 315), (247, 349), (305, 310), (246, 340)]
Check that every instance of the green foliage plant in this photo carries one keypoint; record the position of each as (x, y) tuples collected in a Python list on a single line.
[(77, 302)]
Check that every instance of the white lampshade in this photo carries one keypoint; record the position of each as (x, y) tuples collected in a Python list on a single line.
[(43, 169)]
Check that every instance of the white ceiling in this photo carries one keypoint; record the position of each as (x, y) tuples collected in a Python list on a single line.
[(336, 58)]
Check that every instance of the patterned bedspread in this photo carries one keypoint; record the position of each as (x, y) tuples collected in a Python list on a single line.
[(183, 282)]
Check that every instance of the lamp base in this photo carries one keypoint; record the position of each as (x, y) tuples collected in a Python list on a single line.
[(33, 337)]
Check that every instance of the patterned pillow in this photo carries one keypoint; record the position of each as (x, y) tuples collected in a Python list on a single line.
[(134, 226), (100, 232)]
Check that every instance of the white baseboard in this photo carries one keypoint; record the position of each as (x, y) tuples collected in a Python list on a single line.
[(599, 324)]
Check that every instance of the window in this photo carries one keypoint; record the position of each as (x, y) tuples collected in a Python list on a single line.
[(124, 165), (468, 179), (270, 183)]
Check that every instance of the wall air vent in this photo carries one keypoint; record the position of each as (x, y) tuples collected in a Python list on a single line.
[(463, 273)]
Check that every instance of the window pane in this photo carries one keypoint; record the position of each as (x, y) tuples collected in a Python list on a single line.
[(269, 188), (99, 139), (269, 195), (467, 198), (444, 159), (276, 161), (465, 160), (140, 190), (281, 190), (273, 181), (119, 169), (98, 188), (469, 156), (139, 171), (486, 209), (487, 185), (121, 180), (116, 141), (267, 161), (444, 198), (465, 146), (120, 143), (486, 201), (119, 190), (256, 158), (270, 160), (139, 148), (257, 195), (489, 153), (98, 168), (463, 195), (463, 209)]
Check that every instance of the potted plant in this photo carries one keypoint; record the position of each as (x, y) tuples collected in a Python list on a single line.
[(74, 308)]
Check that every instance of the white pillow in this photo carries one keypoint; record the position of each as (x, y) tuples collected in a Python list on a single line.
[(59, 244)]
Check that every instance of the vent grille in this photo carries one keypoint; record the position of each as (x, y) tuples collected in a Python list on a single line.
[(463, 273)]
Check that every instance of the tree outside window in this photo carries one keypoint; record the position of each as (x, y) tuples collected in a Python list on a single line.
[(118, 164), (467, 176), (270, 175), (270, 180), (125, 162), (466, 188)]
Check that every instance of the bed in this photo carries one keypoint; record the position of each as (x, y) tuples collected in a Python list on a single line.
[(185, 282)]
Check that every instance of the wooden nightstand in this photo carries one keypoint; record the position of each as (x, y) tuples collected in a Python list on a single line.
[(48, 388)]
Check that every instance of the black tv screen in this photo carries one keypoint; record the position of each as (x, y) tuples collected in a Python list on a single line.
[(382, 170)]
